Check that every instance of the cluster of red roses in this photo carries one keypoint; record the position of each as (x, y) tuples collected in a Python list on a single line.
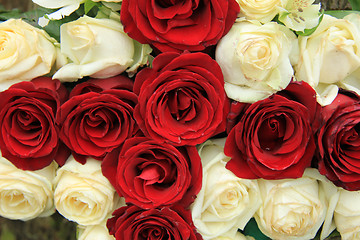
[(145, 132)]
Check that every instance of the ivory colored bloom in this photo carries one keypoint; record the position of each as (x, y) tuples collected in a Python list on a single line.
[(98, 48), (233, 234), (225, 201), (94, 232), (347, 214), (261, 10), (329, 57), (82, 194), (292, 208), (25, 195), (26, 52), (255, 59)]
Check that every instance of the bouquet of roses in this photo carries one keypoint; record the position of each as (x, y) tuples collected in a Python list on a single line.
[(195, 119)]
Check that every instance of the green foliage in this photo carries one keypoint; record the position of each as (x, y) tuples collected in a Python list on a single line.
[(6, 234), (355, 4), (341, 13)]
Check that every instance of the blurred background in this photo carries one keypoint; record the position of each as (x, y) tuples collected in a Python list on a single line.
[(56, 227)]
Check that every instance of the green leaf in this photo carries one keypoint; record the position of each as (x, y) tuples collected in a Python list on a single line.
[(341, 13), (90, 5), (355, 4), (252, 229), (6, 234)]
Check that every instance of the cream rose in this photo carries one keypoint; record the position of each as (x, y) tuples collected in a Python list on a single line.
[(329, 57), (233, 234), (98, 48), (94, 232), (82, 194), (25, 195), (293, 208), (224, 201), (26, 52), (262, 10), (255, 59), (347, 214)]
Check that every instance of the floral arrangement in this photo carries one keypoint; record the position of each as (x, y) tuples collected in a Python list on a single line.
[(218, 119)]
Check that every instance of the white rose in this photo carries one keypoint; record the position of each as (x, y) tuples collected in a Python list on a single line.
[(82, 194), (94, 232), (233, 234), (25, 195), (26, 52), (292, 208), (347, 214), (98, 48), (254, 59), (224, 201), (264, 10), (328, 57)]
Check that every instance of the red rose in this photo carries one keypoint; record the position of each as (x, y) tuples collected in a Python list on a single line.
[(178, 25), (132, 222), (274, 137), (150, 174), (29, 136), (338, 141), (98, 117), (181, 99)]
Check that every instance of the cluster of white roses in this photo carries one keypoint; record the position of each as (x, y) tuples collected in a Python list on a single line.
[(259, 57), (88, 47), (78, 192), (283, 209)]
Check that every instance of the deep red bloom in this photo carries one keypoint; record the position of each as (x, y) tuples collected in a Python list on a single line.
[(132, 222), (29, 136), (98, 117), (338, 141), (274, 137), (178, 25), (152, 174), (181, 99)]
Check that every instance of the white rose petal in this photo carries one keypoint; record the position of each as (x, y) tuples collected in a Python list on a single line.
[(26, 52), (255, 59), (82, 193), (347, 214), (225, 201), (233, 234), (329, 57), (25, 195), (98, 48), (292, 208), (264, 10)]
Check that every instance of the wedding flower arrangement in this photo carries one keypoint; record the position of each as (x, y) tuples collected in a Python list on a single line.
[(183, 120)]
